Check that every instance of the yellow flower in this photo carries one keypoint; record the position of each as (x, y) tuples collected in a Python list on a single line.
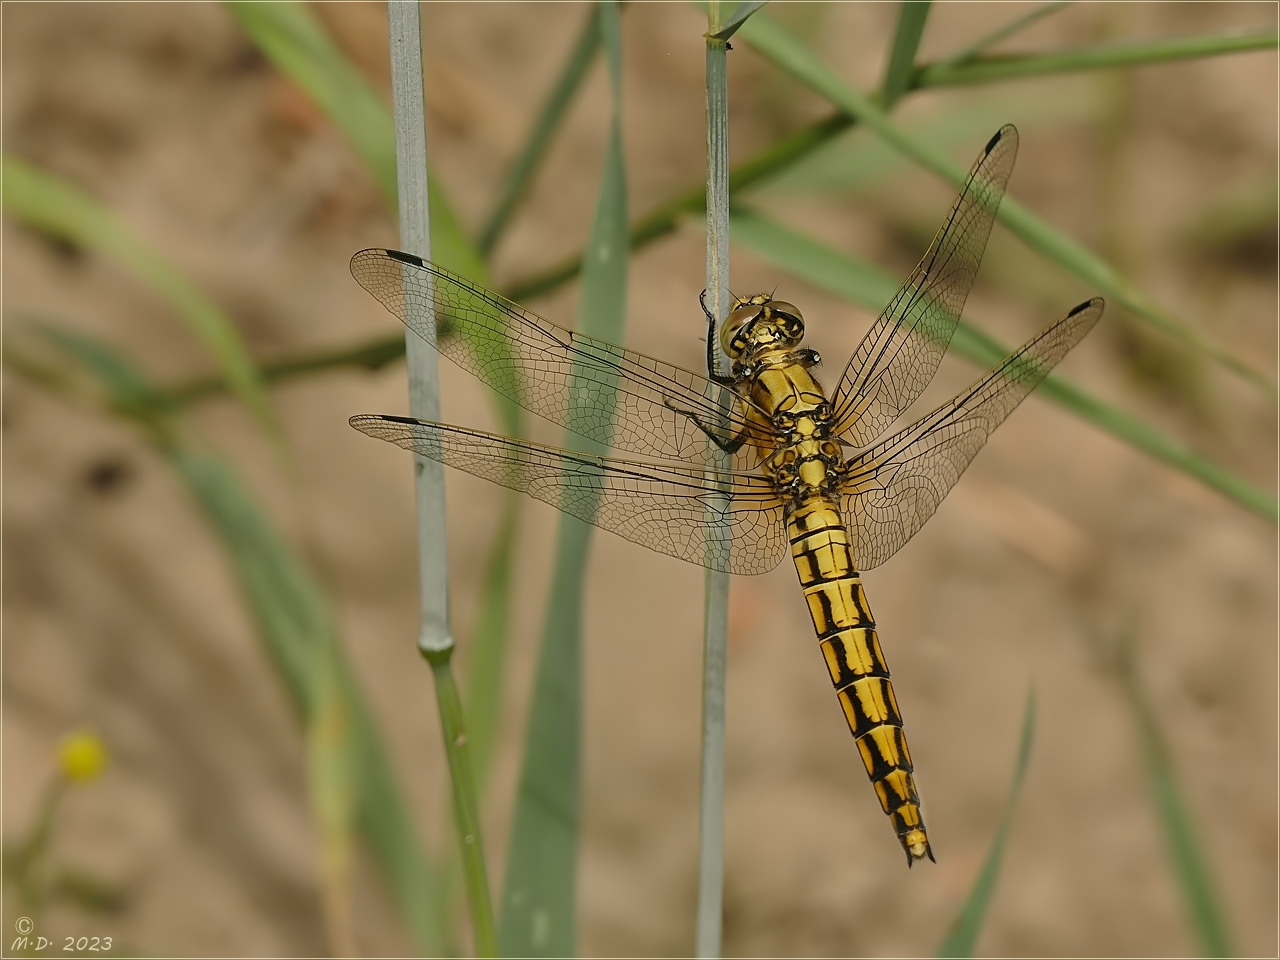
[(81, 756)]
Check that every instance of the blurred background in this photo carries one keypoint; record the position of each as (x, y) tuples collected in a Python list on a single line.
[(1060, 549)]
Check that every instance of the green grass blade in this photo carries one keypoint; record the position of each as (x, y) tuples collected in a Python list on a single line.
[(1157, 445), (1100, 57), (60, 209), (1076, 259), (736, 19), (125, 390), (809, 259), (285, 602), (290, 37), (544, 128), (540, 887), (298, 633), (538, 913), (372, 355), (963, 935), (865, 284), (901, 69), (1208, 922), (792, 56), (709, 933), (1008, 30), (297, 44), (854, 167), (666, 217)]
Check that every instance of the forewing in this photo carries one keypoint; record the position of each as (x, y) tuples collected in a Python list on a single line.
[(731, 522), (890, 490), (900, 353), (620, 398)]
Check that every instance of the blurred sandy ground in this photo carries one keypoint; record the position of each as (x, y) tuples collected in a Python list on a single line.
[(119, 610)]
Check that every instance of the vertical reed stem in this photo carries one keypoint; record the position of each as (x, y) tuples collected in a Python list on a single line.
[(711, 819), (435, 641)]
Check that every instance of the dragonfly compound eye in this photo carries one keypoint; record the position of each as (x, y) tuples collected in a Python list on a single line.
[(736, 328)]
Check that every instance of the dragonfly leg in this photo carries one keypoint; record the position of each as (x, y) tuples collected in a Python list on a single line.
[(729, 446), (712, 374)]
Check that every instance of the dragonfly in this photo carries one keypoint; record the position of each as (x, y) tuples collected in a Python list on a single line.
[(737, 471)]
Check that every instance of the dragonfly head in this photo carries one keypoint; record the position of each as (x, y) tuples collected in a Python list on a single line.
[(761, 322)]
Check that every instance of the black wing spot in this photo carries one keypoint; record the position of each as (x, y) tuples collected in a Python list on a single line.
[(408, 258)]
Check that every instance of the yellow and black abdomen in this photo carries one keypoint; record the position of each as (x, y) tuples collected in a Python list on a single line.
[(847, 637)]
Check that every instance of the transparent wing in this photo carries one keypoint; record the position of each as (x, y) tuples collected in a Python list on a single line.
[(622, 399), (667, 507), (890, 490), (900, 353)]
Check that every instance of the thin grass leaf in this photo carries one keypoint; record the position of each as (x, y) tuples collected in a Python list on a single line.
[(1008, 30), (1208, 922), (1077, 259), (290, 37), (811, 260), (298, 634), (290, 611), (1100, 57), (54, 206), (122, 387), (792, 56), (538, 914), (855, 166), (775, 161), (901, 69), (297, 44), (865, 284), (372, 356), (963, 935), (538, 905), (736, 19), (300, 48), (544, 128), (709, 934), (666, 217)]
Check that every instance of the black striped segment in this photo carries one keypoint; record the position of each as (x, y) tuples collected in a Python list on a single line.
[(847, 638)]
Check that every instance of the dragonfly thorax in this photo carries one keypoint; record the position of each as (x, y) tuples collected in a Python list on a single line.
[(805, 463), (760, 324)]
